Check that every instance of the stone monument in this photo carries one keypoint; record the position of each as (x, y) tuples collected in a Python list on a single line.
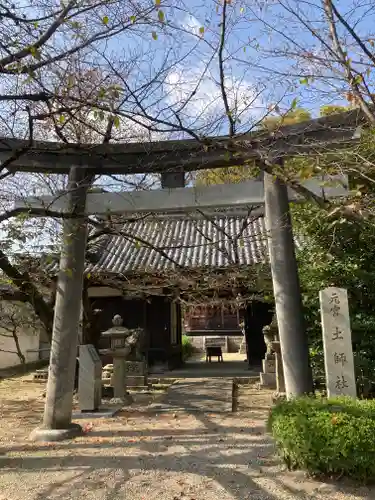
[(337, 342), (89, 379), (125, 348)]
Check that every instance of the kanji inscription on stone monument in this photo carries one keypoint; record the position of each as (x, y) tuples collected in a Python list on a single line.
[(337, 341)]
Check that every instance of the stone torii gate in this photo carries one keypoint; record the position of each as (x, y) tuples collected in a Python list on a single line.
[(84, 161)]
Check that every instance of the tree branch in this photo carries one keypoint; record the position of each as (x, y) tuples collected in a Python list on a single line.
[(353, 33), (21, 54), (232, 123), (328, 7)]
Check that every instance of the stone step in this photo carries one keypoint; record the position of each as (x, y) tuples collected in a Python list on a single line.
[(140, 388), (163, 380), (246, 380)]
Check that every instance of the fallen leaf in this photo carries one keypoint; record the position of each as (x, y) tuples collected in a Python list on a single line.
[(88, 427)]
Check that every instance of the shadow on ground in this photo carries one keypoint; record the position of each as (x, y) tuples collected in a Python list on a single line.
[(171, 456), (193, 458)]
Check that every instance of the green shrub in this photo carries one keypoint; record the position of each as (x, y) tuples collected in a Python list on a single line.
[(333, 437), (187, 348)]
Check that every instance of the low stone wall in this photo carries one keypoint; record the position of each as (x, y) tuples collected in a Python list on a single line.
[(233, 343), (13, 371)]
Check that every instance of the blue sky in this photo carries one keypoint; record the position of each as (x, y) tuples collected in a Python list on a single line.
[(253, 55), (259, 32)]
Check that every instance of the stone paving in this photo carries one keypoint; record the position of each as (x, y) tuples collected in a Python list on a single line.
[(203, 395)]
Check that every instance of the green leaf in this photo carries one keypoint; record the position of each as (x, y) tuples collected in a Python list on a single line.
[(132, 19), (294, 103), (161, 16), (242, 10), (304, 81), (35, 53), (201, 30), (29, 79), (70, 82), (154, 35), (105, 20), (36, 24), (157, 2), (116, 121), (61, 119)]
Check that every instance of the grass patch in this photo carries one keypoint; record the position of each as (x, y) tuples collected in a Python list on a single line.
[(187, 348)]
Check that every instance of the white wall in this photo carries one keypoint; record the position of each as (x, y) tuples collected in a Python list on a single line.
[(28, 340)]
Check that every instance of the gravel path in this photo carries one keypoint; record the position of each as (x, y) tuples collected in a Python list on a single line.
[(140, 455)]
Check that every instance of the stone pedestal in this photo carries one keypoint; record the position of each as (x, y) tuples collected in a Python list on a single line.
[(136, 374), (118, 380), (280, 380), (268, 376)]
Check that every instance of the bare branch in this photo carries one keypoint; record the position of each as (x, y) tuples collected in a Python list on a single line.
[(228, 111)]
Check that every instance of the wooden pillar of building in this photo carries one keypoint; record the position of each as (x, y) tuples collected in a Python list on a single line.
[(172, 180)]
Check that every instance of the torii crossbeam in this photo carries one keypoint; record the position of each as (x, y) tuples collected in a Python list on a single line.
[(184, 199)]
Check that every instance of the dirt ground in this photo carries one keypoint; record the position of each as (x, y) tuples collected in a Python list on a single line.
[(142, 455)]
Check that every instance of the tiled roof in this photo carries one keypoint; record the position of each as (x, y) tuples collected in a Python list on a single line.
[(182, 242), (191, 243)]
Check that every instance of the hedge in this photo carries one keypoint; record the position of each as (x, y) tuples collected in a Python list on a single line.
[(334, 437)]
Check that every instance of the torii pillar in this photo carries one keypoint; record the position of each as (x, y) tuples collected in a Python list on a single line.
[(57, 421), (286, 287)]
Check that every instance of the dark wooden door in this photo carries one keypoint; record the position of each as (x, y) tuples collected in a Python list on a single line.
[(158, 322), (258, 315)]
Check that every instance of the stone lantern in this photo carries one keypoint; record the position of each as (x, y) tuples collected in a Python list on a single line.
[(280, 381), (273, 372), (122, 342)]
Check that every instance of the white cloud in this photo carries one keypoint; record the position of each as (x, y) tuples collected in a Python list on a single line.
[(198, 90), (191, 24)]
